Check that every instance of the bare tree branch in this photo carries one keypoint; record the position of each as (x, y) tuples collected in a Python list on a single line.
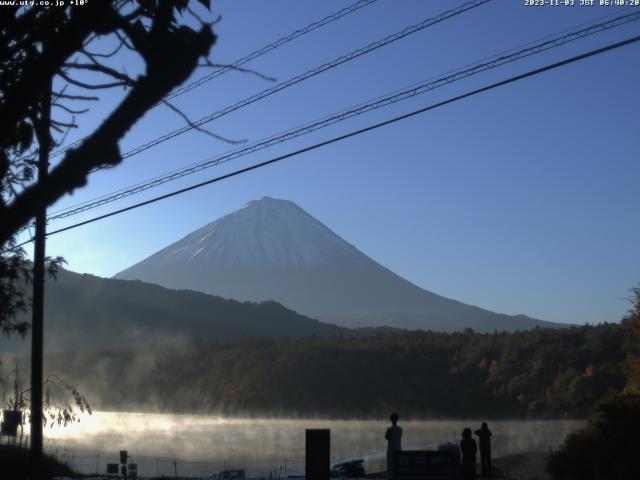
[(57, 143), (76, 97), (69, 110), (96, 67), (90, 86), (198, 128), (64, 124), (207, 63), (200, 19), (103, 55), (171, 54), (124, 41), (35, 74)]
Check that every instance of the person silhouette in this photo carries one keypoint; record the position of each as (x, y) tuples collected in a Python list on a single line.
[(484, 437), (469, 448), (393, 435)]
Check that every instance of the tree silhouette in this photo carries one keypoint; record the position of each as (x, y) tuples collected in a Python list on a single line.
[(63, 49), (606, 447), (38, 45), (632, 324)]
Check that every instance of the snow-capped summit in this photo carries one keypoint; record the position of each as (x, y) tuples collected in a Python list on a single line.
[(272, 249), (263, 233)]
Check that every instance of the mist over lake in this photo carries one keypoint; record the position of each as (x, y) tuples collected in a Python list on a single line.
[(204, 445)]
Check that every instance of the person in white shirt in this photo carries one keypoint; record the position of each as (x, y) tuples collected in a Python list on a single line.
[(393, 437)]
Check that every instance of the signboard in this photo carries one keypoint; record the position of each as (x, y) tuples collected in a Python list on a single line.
[(112, 468), (427, 464)]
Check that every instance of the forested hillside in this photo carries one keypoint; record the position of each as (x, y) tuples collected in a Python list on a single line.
[(538, 373), (85, 312)]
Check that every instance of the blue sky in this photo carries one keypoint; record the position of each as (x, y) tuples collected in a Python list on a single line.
[(520, 200)]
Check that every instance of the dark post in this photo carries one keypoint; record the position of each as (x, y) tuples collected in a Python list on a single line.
[(124, 456), (317, 453), (37, 324)]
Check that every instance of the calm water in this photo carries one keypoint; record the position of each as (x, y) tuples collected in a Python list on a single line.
[(204, 445)]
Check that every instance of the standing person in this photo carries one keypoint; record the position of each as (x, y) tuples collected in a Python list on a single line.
[(469, 449), (393, 436), (484, 436)]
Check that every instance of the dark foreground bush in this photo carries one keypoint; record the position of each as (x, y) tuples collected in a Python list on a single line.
[(15, 465), (608, 448)]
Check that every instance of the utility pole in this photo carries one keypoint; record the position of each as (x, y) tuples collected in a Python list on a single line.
[(42, 130)]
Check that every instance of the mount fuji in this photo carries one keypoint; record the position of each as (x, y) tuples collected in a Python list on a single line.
[(272, 249)]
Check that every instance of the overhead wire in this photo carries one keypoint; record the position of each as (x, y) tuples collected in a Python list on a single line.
[(297, 79), (247, 58), (484, 60), (307, 75), (428, 22), (267, 48), (399, 95), (354, 133)]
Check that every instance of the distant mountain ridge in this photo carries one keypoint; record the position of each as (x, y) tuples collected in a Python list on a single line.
[(272, 249), (85, 312)]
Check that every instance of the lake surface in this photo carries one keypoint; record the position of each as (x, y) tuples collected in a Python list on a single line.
[(203, 445)]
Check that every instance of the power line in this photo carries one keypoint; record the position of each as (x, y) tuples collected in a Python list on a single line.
[(310, 73), (247, 58), (267, 48), (305, 76), (409, 92), (492, 86), (214, 160)]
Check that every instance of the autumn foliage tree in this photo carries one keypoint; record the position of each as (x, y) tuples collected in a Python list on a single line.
[(632, 324), (607, 447)]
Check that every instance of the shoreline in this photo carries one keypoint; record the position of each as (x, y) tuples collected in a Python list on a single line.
[(524, 466), (529, 465)]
